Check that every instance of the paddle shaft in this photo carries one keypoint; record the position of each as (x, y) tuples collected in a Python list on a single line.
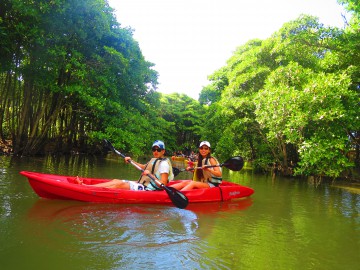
[(207, 166), (235, 164), (199, 168), (177, 171)]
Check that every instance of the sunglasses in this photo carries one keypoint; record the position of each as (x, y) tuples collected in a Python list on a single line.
[(204, 148), (156, 149)]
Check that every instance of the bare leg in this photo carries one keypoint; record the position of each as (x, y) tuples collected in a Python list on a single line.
[(115, 183), (181, 184), (194, 184)]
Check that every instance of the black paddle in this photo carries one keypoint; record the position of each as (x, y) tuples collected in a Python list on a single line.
[(178, 199), (235, 164)]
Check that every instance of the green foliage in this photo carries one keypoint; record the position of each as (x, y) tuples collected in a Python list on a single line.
[(247, 69), (304, 41), (297, 104), (351, 5), (186, 117), (323, 157), (292, 98), (83, 69), (213, 126), (212, 92)]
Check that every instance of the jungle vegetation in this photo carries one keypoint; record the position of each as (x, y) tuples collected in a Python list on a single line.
[(71, 75)]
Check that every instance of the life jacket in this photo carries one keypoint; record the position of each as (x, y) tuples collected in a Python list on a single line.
[(153, 166), (208, 176)]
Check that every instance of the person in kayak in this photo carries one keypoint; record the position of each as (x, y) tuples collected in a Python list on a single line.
[(158, 167), (208, 177)]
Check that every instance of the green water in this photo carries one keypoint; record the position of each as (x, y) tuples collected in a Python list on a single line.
[(286, 224)]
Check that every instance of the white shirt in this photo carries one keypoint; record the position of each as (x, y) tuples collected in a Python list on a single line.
[(164, 167)]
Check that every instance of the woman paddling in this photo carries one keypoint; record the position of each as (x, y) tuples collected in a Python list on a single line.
[(158, 167), (207, 177)]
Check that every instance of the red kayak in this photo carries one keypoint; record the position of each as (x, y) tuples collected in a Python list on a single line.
[(52, 186)]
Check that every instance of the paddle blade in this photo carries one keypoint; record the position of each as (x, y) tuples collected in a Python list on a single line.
[(234, 163), (178, 199), (108, 145), (176, 171)]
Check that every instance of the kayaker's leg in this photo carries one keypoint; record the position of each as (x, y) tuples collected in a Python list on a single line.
[(194, 184), (115, 183), (180, 185)]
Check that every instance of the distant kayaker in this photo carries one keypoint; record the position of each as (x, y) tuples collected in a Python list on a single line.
[(207, 177), (158, 167)]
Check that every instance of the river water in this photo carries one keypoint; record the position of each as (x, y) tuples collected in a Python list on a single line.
[(286, 224)]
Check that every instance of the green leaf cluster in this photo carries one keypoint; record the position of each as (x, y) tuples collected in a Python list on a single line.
[(291, 100), (69, 71)]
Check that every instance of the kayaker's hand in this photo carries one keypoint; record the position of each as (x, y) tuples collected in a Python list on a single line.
[(127, 159), (146, 172)]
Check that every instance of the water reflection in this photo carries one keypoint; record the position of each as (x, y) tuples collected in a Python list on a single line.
[(130, 222), (118, 224), (114, 230)]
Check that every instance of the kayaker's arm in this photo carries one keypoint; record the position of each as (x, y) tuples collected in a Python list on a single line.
[(164, 178), (213, 170), (128, 159)]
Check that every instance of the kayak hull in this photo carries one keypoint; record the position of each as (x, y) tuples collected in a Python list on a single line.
[(60, 187)]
